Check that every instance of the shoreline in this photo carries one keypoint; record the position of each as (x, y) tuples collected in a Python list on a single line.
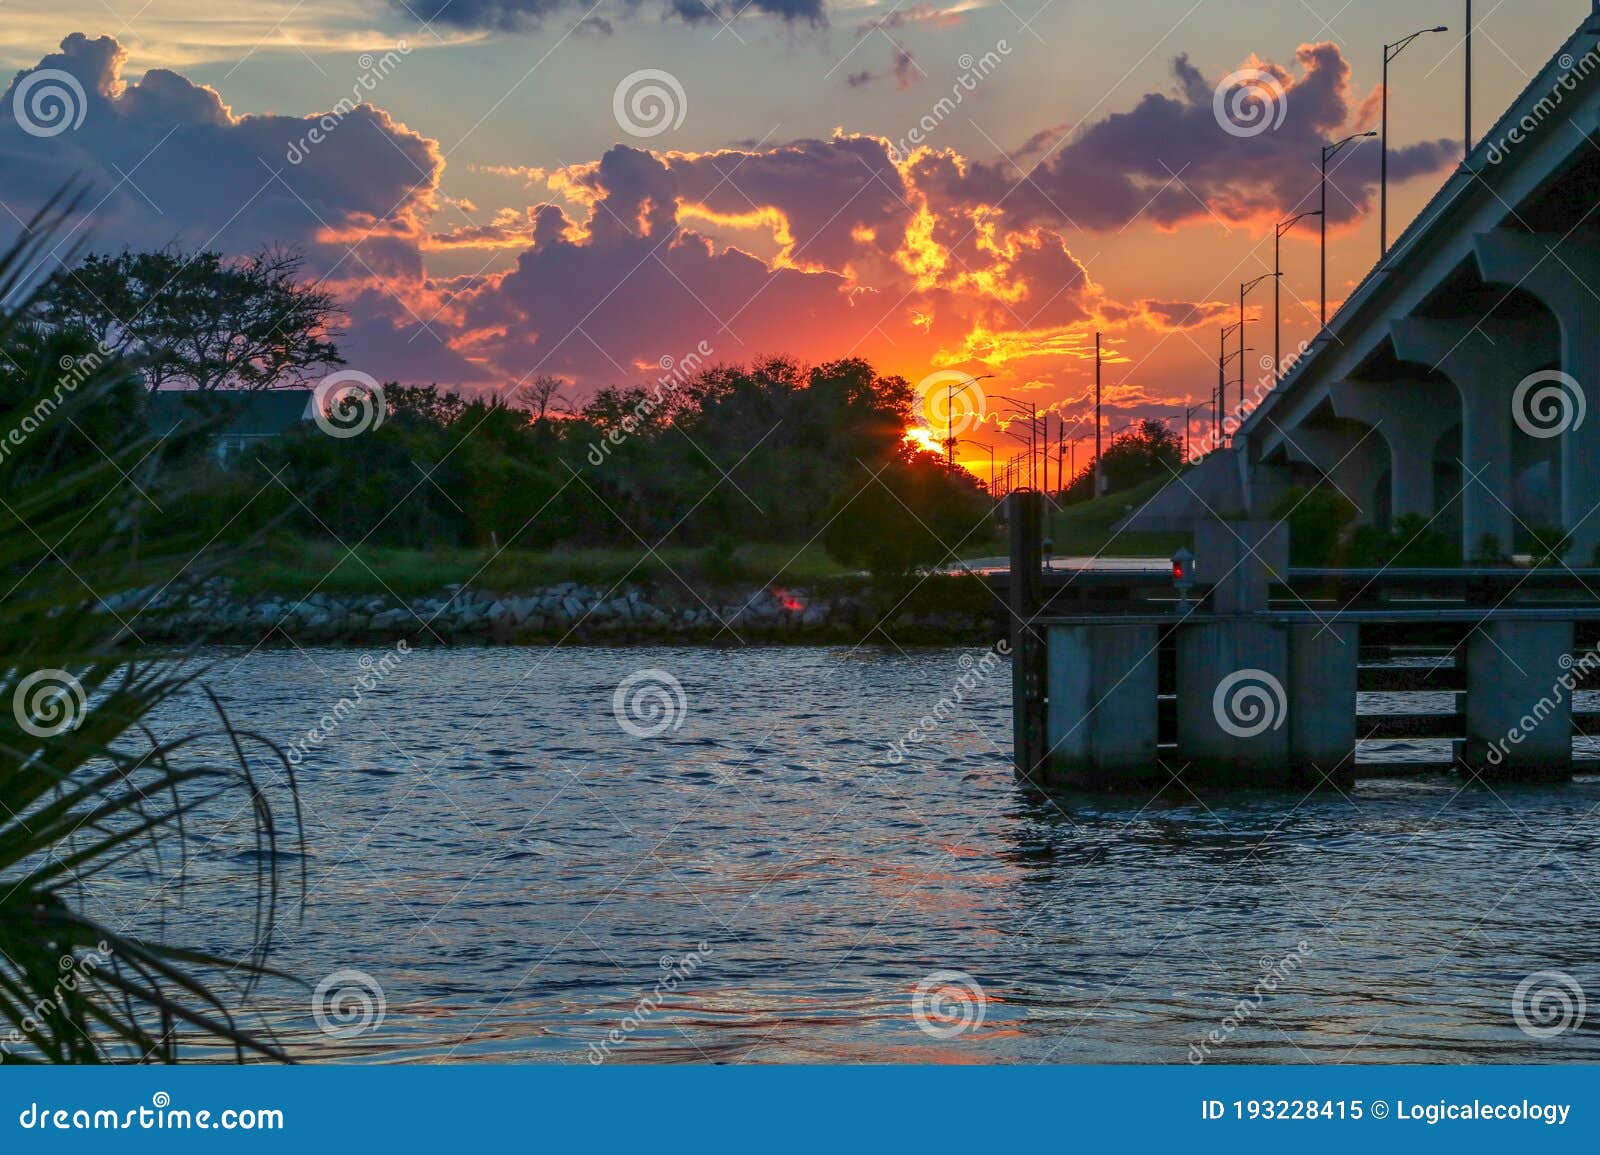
[(945, 611)]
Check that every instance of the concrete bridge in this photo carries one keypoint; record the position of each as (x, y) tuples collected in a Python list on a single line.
[(1461, 380)]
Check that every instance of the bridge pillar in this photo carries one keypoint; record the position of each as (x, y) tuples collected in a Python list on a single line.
[(1101, 721), (1323, 665), (1564, 273), (1519, 708), (1412, 416), (1485, 360)]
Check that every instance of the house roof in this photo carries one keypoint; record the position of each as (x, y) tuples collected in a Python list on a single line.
[(229, 412)]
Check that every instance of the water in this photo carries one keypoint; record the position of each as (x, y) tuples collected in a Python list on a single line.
[(512, 868)]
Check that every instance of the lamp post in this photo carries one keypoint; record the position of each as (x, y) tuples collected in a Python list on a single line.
[(1329, 151), (1188, 418), (951, 393), (1277, 291), (1032, 412), (1245, 290), (1222, 375), (1466, 154), (1390, 52)]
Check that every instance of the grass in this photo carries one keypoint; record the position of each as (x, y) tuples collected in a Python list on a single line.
[(1085, 530), (297, 566)]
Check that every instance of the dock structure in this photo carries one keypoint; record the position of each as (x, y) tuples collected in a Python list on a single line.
[(1253, 677)]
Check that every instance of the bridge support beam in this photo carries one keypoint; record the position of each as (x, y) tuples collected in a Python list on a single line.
[(1411, 416), (1564, 273), (1519, 708), (1351, 459), (1101, 723), (1485, 360), (1323, 665)]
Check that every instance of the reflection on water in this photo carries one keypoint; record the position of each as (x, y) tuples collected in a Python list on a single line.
[(518, 874)]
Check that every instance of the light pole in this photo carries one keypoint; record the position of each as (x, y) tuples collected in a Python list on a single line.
[(1245, 290), (1277, 291), (1222, 374), (951, 393), (1032, 412), (1096, 485), (1329, 151), (1390, 52), (1188, 419), (1467, 152)]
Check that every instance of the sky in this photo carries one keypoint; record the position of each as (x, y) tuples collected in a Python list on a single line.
[(956, 191)]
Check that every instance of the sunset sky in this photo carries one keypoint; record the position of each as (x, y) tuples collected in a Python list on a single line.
[(544, 186)]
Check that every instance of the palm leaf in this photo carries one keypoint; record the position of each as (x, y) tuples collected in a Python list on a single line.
[(87, 789)]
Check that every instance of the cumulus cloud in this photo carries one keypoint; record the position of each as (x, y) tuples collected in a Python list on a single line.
[(165, 161), (1170, 159)]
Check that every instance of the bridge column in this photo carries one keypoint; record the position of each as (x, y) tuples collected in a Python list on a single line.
[(1485, 360), (1101, 721), (1519, 707), (1564, 273), (1411, 416)]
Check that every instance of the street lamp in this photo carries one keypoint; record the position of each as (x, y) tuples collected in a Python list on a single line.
[(1222, 374), (1245, 290), (1032, 412), (1390, 52), (1188, 419), (951, 393), (1283, 230), (1329, 151)]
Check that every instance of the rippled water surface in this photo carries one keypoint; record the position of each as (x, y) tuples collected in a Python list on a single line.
[(487, 843)]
